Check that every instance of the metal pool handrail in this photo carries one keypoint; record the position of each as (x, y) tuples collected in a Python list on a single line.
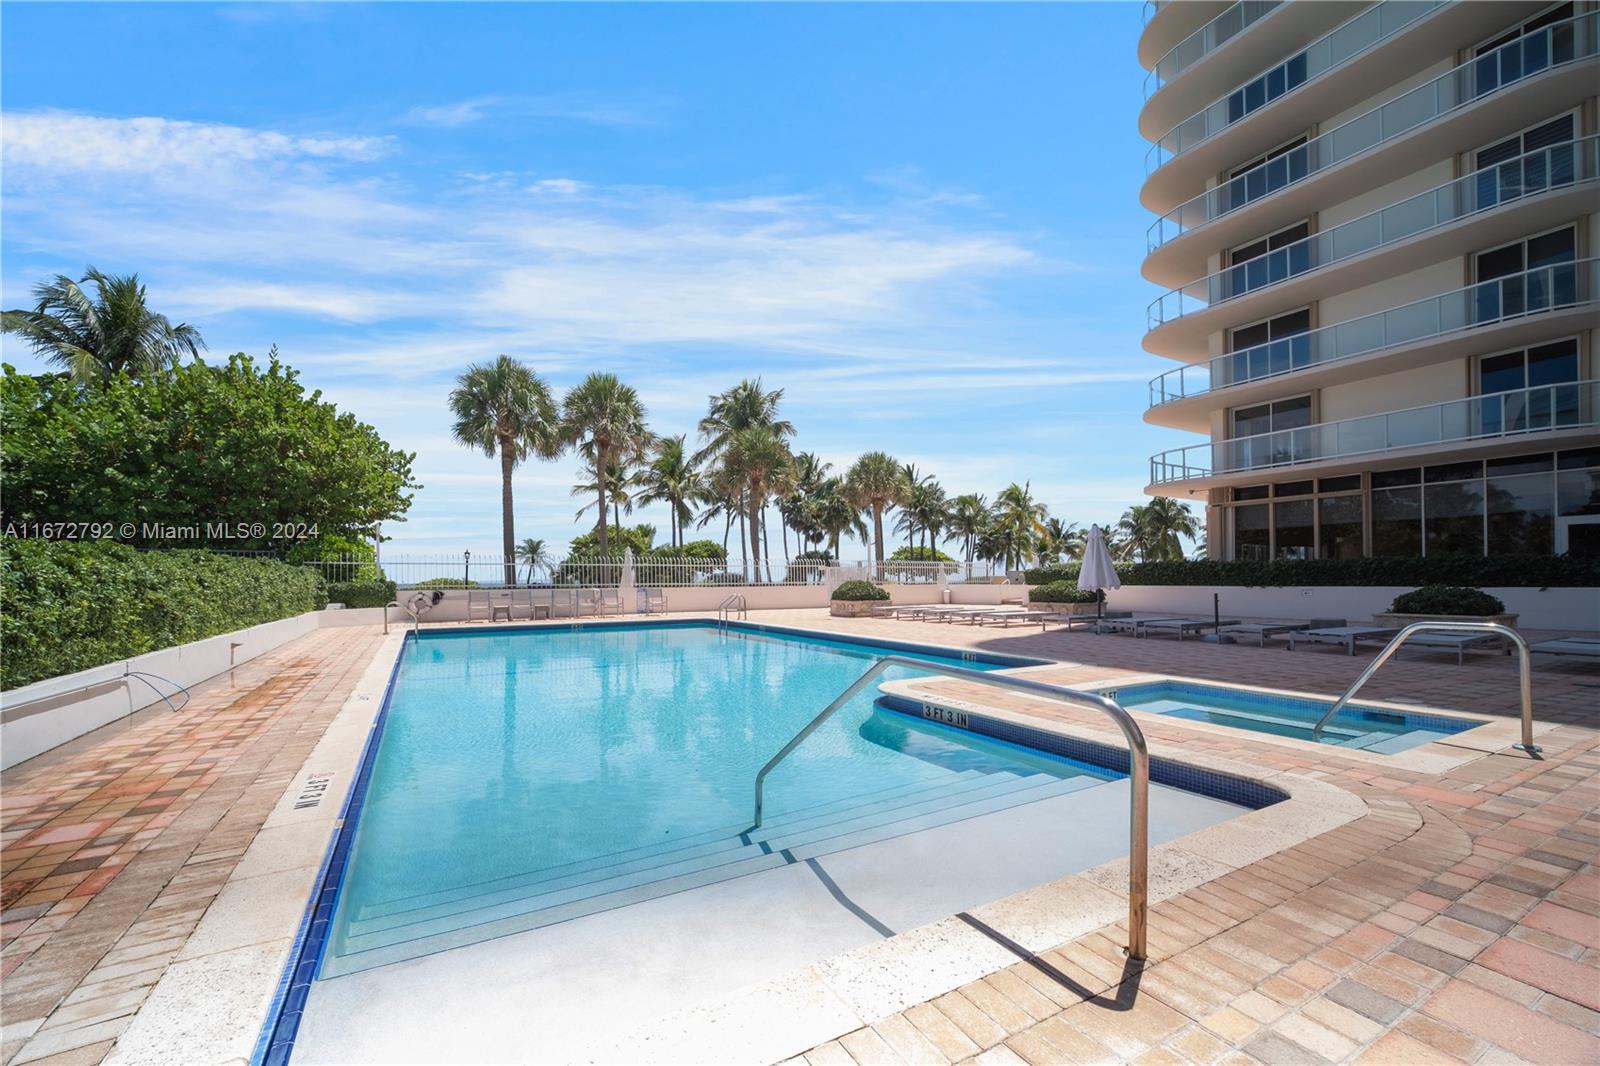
[(736, 602), (1138, 765), (1524, 663)]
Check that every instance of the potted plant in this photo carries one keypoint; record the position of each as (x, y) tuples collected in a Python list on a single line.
[(1064, 596), (855, 599), (1451, 603)]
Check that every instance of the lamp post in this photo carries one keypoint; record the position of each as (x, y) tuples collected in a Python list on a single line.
[(466, 568)]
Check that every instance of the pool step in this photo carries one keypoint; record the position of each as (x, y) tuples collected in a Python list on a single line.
[(727, 848), (405, 935), (721, 837)]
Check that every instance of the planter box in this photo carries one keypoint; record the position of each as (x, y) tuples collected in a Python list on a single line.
[(854, 608), (1394, 618)]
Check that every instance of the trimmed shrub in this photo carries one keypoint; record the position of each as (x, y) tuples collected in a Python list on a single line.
[(860, 590), (1446, 599), (361, 593), (69, 605), (1505, 571), (1060, 592), (442, 583)]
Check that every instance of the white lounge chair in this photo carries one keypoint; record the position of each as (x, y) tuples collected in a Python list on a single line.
[(1345, 636), (653, 601), (1129, 624), (610, 602), (1006, 617), (1180, 626), (1578, 647), (1458, 642), (480, 608), (1262, 630)]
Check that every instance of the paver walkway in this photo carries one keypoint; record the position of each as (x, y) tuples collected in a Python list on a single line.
[(113, 846), (1459, 921)]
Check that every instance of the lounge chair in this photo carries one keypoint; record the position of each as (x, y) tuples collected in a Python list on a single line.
[(585, 600), (1261, 630), (1459, 642), (1128, 624), (1346, 636), (971, 614), (610, 602), (479, 606), (1579, 647), (1006, 617), (1181, 626), (653, 601)]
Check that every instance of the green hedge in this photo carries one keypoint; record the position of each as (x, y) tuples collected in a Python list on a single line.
[(67, 606), (859, 590), (1060, 592), (361, 593), (1494, 571), (1446, 599)]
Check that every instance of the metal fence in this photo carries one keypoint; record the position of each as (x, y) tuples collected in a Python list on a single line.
[(468, 570)]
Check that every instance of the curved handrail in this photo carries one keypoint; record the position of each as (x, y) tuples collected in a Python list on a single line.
[(391, 603), (1524, 662), (1138, 765), (735, 602), (142, 676)]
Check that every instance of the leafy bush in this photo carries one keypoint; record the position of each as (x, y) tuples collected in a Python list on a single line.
[(1446, 599), (69, 605), (808, 567), (1513, 571), (443, 583), (1060, 592), (373, 593), (860, 590), (338, 558), (694, 549), (232, 452)]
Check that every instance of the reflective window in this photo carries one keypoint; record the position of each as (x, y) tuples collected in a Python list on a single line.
[(1295, 528), (1265, 174), (1288, 75), (1454, 522), (1272, 346), (1340, 518), (1528, 275), (1267, 260), (1499, 179), (1498, 64), (1252, 532), (1397, 521), (1521, 514)]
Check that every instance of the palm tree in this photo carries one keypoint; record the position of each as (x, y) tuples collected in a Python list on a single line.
[(761, 461), (504, 407), (532, 553), (1061, 538), (1018, 521), (745, 406), (925, 512), (836, 514), (116, 332), (969, 516), (673, 479), (606, 421), (876, 482), (620, 481), (1134, 527), (797, 506), (1165, 521)]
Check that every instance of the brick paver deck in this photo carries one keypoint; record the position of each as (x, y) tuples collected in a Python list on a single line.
[(1458, 921), (114, 845)]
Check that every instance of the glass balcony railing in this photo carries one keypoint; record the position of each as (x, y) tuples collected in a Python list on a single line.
[(1341, 44), (1561, 43), (1570, 405), (1547, 288), (1558, 166), (1207, 39)]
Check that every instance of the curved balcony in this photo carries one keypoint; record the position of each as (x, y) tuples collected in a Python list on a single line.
[(1233, 21), (1502, 313), (1474, 211), (1343, 45), (1166, 23), (1467, 105), (1571, 406)]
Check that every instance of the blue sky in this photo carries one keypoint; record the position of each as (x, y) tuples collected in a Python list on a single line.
[(920, 221)]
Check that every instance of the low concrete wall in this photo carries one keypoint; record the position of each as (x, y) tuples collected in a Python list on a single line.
[(70, 706)]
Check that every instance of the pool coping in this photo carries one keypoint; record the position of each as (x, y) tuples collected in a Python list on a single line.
[(814, 1004)]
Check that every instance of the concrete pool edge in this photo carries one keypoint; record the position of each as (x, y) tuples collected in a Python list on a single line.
[(214, 1008)]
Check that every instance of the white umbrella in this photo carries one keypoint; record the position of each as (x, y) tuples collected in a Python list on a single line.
[(625, 592), (1097, 573)]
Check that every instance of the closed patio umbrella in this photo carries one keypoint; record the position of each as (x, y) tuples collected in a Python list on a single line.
[(1097, 573)]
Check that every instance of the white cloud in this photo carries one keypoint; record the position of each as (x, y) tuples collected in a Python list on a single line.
[(569, 107)]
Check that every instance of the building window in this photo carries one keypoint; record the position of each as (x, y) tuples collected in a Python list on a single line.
[(1533, 274), (1270, 259), (1283, 78), (1282, 166), (1252, 532), (1516, 166), (1294, 529), (1397, 521), (1273, 346), (1524, 51), (1541, 383), (1452, 508), (1339, 526)]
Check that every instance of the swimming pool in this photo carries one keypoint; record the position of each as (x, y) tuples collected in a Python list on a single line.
[(1384, 730), (530, 777)]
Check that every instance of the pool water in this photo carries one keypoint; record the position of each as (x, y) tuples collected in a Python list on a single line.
[(1377, 729), (527, 777)]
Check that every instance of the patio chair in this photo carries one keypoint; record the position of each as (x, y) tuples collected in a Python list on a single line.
[(610, 602), (1180, 626), (1577, 647), (1261, 630), (653, 601), (1128, 624), (1459, 642), (480, 608), (1345, 636), (585, 600)]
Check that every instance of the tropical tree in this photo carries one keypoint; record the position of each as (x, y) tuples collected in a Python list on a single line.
[(1017, 520), (835, 513), (1153, 529), (605, 420), (875, 483), (797, 507), (114, 332), (620, 482), (504, 408), (762, 463), (968, 518), (1061, 539), (673, 479), (745, 406), (532, 553), (925, 512)]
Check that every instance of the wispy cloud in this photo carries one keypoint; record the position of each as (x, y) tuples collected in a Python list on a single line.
[(568, 107)]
